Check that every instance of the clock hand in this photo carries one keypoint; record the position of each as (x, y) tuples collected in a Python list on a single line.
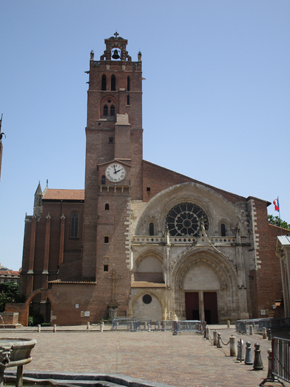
[(114, 169), (117, 171)]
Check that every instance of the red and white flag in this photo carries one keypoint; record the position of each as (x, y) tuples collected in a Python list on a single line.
[(276, 204)]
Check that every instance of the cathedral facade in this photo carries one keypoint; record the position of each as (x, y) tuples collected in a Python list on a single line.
[(141, 240)]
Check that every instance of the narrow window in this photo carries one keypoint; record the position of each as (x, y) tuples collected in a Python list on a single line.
[(128, 83), (106, 264), (74, 225), (128, 99), (103, 179), (112, 110), (106, 239), (105, 110), (111, 140), (151, 228), (223, 229), (148, 189), (107, 207), (113, 82), (104, 82)]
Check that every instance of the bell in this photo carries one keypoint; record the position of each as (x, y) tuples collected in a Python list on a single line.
[(116, 55)]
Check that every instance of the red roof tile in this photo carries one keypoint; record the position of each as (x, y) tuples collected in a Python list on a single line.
[(63, 194)]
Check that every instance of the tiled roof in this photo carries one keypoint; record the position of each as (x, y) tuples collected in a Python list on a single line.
[(63, 194), (9, 272), (63, 282)]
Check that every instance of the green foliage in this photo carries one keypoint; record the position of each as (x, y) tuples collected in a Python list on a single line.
[(278, 222), (35, 318), (9, 292)]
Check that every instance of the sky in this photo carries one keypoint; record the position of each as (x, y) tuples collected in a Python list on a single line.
[(216, 95)]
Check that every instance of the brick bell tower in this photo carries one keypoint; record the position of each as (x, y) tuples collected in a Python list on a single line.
[(113, 163)]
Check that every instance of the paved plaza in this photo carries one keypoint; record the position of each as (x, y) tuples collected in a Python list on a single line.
[(185, 360)]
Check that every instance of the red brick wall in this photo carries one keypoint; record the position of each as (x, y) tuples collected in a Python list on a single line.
[(159, 178), (266, 283), (72, 247)]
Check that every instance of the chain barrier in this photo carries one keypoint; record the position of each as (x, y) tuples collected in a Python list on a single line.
[(225, 343)]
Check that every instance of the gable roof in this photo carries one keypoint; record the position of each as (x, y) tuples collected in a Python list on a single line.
[(63, 194)]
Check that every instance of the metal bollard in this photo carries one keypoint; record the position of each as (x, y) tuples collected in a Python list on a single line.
[(240, 356), (102, 327), (54, 328), (219, 341), (39, 328), (207, 333), (214, 335), (145, 326), (258, 364), (228, 324), (149, 328), (264, 333), (270, 369), (159, 325), (250, 329), (249, 357), (175, 328), (88, 325), (269, 334), (233, 346)]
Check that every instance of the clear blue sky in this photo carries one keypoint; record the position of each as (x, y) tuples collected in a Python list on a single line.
[(216, 99)]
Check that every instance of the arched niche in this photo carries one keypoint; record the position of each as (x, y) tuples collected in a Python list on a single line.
[(145, 310), (149, 269)]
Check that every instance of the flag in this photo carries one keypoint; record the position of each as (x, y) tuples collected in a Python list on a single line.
[(276, 204)]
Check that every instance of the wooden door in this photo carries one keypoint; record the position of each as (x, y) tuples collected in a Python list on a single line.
[(192, 306), (210, 307)]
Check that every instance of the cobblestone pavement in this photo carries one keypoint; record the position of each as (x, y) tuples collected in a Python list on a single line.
[(185, 360)]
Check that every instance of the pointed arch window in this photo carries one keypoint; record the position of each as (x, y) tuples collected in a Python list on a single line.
[(151, 228), (128, 83), (128, 99), (113, 82), (105, 110), (104, 82), (74, 225), (107, 207), (223, 229), (112, 111)]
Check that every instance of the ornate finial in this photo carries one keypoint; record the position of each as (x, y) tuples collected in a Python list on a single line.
[(116, 34), (46, 183), (1, 134)]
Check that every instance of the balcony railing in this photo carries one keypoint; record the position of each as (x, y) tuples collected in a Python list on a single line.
[(157, 240)]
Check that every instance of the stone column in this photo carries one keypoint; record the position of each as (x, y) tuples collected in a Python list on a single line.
[(201, 306), (61, 240)]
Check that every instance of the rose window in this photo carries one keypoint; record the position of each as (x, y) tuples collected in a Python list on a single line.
[(185, 219)]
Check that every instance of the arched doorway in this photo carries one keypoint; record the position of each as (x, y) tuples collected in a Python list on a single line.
[(205, 287), (201, 287)]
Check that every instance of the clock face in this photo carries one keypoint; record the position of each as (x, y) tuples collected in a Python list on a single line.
[(115, 172)]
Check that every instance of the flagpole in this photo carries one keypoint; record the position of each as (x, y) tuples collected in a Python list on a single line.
[(280, 215)]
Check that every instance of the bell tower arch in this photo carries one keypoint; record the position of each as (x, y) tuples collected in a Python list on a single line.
[(113, 173)]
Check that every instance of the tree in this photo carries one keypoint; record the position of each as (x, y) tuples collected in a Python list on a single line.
[(278, 222), (9, 292)]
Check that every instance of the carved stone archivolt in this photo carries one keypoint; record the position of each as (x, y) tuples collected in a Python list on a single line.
[(217, 263)]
